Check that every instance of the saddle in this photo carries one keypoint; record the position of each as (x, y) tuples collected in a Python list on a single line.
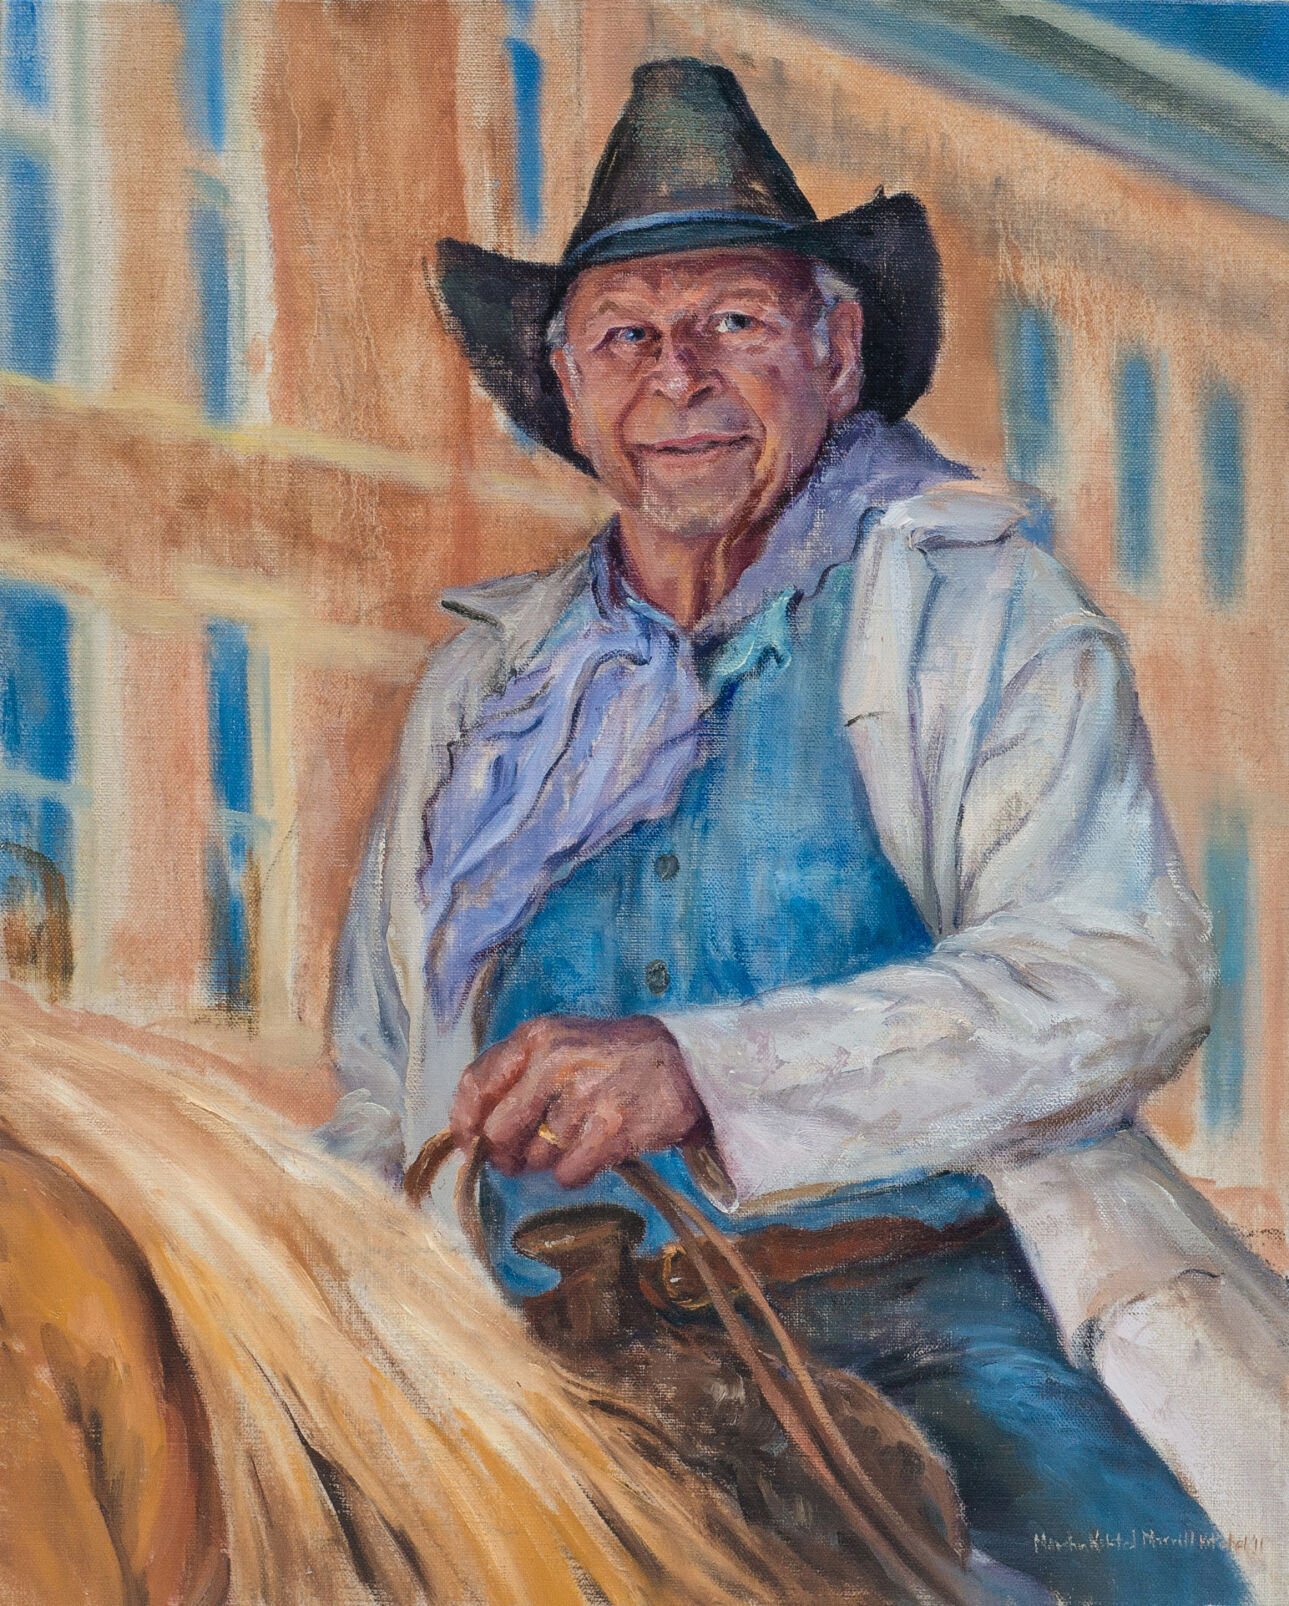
[(815, 1455)]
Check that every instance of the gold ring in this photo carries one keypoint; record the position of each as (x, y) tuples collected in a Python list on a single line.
[(544, 1132)]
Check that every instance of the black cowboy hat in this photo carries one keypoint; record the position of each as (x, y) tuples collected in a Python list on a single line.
[(687, 168)]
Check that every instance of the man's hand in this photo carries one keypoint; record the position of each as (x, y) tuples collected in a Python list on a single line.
[(572, 1096)]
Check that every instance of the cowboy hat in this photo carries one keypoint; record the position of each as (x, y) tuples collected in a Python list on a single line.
[(688, 167)]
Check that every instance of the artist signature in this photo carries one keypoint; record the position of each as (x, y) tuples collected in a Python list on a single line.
[(1147, 1539)]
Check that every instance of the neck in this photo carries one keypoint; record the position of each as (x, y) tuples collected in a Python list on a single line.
[(686, 576)]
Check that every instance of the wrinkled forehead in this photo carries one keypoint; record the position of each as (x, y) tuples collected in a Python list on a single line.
[(671, 283)]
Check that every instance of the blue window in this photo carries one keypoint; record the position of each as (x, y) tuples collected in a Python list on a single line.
[(526, 79), (203, 89), (228, 688), (37, 772), (1030, 367), (24, 45), (1137, 445), (234, 854), (208, 235), (1226, 890), (1222, 451), (29, 327), (36, 724), (1030, 377), (233, 917)]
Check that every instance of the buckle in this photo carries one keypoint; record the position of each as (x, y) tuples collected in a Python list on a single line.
[(672, 1265)]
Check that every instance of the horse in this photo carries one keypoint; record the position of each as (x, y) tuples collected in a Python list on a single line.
[(237, 1370)]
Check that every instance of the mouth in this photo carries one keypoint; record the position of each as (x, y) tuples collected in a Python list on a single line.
[(689, 447)]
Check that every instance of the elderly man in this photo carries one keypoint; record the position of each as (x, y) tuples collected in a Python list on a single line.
[(801, 835)]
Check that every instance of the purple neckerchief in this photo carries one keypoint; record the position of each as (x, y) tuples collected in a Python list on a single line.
[(602, 727)]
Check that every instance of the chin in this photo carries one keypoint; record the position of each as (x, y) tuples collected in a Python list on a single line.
[(689, 523), (699, 518)]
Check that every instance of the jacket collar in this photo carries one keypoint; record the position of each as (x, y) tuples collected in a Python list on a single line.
[(959, 513), (892, 598), (523, 607), (956, 513)]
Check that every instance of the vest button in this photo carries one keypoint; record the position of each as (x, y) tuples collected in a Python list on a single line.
[(657, 976), (666, 867)]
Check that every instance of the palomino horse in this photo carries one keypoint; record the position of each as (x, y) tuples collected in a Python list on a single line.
[(237, 1371)]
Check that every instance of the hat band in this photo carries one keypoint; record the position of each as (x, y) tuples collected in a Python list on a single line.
[(752, 221)]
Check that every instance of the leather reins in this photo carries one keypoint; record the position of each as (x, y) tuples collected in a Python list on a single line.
[(908, 1559)]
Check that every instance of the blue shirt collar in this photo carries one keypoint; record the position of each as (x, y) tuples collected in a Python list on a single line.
[(724, 650)]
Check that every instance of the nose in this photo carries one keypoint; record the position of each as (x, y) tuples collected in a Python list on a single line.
[(679, 372)]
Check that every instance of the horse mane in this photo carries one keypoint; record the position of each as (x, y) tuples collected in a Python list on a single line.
[(382, 1428)]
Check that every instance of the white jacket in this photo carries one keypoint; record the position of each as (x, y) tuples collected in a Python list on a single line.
[(993, 717)]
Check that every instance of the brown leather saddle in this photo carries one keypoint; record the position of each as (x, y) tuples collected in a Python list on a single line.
[(818, 1457)]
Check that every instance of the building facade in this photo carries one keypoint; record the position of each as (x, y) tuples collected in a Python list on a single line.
[(242, 456)]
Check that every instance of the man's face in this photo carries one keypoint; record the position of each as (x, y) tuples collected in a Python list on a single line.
[(701, 385)]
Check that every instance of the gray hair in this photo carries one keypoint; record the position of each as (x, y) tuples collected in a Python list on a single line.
[(557, 330), (830, 286)]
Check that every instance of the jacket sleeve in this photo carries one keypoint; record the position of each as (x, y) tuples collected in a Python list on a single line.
[(370, 1023), (1074, 975), (369, 1019)]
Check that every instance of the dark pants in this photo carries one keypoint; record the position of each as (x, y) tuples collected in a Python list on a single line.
[(1056, 1481)]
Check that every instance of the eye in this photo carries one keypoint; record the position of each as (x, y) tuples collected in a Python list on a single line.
[(627, 337), (733, 323)]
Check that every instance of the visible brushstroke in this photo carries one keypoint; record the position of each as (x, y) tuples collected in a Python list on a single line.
[(526, 444), (228, 672), (35, 912), (1015, 778), (526, 79), (204, 90), (30, 328), (135, 1510), (1250, 37), (741, 192), (1105, 92), (233, 905), (1222, 451), (208, 236), (1030, 373), (41, 825), (1136, 447), (1226, 889), (326, 1326), (37, 765), (233, 887), (24, 45), (1029, 390), (36, 719), (345, 512), (708, 1390)]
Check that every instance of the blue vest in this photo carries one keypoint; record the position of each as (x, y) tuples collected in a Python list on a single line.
[(768, 873)]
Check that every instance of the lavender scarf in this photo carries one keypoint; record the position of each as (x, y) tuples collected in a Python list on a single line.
[(601, 728)]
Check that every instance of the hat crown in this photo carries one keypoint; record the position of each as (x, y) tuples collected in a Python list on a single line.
[(688, 142)]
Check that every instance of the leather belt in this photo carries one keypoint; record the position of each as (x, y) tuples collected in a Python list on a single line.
[(781, 1255)]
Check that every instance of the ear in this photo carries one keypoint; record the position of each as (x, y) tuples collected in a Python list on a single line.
[(567, 376), (845, 347)]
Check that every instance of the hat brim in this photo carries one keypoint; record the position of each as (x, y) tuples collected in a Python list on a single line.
[(499, 307)]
